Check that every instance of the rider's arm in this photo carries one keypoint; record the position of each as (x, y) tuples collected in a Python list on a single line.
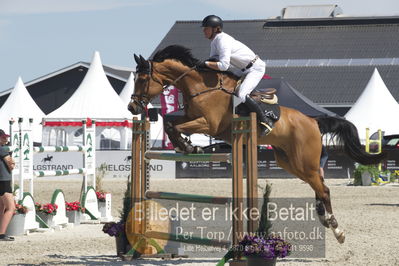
[(221, 47)]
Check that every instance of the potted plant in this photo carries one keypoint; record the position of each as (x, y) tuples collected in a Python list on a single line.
[(101, 196), (367, 174), (73, 211), (260, 250), (117, 229), (104, 201), (17, 225), (261, 247), (46, 212)]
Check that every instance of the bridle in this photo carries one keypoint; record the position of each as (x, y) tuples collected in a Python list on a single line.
[(149, 71)]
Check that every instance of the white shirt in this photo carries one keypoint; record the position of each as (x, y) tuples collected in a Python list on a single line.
[(229, 51)]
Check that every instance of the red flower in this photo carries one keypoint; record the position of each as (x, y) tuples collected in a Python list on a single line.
[(48, 208), (20, 209), (74, 206), (101, 195)]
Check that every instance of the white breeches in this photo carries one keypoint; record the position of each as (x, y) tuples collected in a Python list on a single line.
[(253, 76)]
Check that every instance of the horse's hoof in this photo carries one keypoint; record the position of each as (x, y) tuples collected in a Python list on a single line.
[(178, 150), (339, 235), (341, 238), (189, 149), (198, 150)]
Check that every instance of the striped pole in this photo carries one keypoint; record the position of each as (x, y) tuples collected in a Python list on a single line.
[(178, 157), (60, 172), (186, 197), (58, 149)]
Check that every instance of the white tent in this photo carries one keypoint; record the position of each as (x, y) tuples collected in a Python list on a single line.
[(96, 99), (375, 109), (127, 91), (21, 105)]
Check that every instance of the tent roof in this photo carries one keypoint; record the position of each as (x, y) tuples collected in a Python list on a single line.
[(289, 97), (375, 108), (95, 97), (127, 90), (20, 104)]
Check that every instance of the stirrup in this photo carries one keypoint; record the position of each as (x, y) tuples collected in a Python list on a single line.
[(269, 129)]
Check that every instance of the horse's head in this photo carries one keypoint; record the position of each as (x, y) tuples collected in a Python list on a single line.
[(146, 86), (155, 75)]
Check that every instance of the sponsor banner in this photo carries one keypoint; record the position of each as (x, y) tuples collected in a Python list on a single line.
[(338, 165), (53, 161), (169, 104), (392, 162), (117, 163), (162, 169)]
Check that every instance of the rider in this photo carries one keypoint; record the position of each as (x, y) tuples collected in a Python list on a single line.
[(233, 55)]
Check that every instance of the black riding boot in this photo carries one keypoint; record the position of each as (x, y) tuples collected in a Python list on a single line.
[(266, 124)]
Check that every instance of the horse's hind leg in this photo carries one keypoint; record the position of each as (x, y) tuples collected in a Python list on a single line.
[(315, 180), (323, 197), (320, 209)]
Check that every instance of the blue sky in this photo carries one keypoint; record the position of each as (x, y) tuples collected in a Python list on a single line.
[(38, 37)]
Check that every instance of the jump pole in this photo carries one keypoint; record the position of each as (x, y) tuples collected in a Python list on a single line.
[(244, 132)]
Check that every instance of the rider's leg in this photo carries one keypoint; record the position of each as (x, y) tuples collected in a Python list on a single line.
[(252, 79), (266, 122)]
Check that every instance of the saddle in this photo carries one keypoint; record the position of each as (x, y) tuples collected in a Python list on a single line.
[(266, 95), (267, 100)]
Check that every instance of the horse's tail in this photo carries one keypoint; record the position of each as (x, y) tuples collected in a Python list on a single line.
[(347, 136)]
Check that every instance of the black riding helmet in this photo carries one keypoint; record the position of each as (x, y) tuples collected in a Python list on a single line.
[(212, 21)]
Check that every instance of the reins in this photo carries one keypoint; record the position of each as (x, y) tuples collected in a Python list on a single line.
[(214, 89)]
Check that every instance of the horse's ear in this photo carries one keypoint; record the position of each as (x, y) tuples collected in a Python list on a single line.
[(142, 59), (144, 62), (137, 59)]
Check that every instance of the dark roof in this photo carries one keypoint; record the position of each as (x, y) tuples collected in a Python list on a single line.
[(335, 85), (298, 39), (330, 38), (350, 38)]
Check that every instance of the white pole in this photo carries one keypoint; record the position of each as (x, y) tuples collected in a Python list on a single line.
[(84, 155), (21, 176), (31, 133), (11, 144)]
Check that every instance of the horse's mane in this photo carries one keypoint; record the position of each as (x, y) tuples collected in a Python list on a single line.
[(176, 52), (184, 55)]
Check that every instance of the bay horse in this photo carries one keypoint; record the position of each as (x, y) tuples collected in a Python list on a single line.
[(296, 138)]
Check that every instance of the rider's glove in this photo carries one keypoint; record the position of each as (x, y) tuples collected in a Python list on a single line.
[(202, 64)]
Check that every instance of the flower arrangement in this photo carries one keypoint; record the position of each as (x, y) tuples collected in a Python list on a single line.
[(74, 206), (262, 244), (114, 229), (268, 248), (377, 175), (48, 208), (101, 195), (20, 209)]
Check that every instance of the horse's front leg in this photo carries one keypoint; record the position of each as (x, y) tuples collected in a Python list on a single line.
[(183, 125)]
